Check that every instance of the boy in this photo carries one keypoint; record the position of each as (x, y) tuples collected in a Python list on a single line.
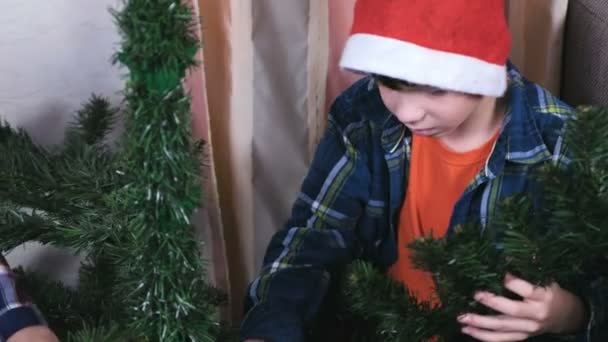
[(441, 131)]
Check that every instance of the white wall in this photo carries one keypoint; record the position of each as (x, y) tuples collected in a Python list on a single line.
[(53, 55)]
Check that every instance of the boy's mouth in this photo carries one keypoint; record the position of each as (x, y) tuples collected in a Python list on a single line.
[(425, 132)]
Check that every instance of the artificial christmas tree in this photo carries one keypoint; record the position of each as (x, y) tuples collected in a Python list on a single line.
[(127, 210)]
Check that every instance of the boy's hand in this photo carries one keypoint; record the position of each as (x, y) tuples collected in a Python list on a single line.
[(37, 333), (542, 310)]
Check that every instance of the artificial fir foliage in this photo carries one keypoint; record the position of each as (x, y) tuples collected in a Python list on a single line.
[(162, 271), (560, 236), (62, 196), (127, 210)]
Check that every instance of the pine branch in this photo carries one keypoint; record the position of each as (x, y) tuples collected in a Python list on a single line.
[(535, 252), (395, 313), (18, 226), (102, 333), (129, 212), (97, 288), (32, 177), (59, 303), (587, 138), (461, 264), (155, 36), (92, 123), (163, 276)]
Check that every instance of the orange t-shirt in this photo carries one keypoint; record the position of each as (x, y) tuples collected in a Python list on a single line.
[(438, 177)]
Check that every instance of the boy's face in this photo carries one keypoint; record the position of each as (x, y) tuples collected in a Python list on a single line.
[(428, 111)]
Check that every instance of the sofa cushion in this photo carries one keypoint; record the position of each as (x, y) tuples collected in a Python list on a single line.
[(585, 64)]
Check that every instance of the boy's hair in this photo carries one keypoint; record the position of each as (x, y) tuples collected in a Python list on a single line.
[(397, 84)]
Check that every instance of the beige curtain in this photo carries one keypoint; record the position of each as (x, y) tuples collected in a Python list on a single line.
[(340, 21), (265, 66), (208, 217), (224, 26), (270, 72)]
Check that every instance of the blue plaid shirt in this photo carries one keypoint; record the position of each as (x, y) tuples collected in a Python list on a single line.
[(16, 311), (348, 205)]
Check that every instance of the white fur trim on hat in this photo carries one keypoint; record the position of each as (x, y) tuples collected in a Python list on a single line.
[(398, 59)]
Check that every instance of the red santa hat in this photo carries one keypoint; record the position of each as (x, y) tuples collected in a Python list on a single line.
[(458, 45)]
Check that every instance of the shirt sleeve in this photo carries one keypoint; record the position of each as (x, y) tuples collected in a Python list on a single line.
[(16, 310), (319, 235)]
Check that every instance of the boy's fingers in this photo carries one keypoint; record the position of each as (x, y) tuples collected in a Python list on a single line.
[(515, 308), (491, 336), (500, 323), (519, 286)]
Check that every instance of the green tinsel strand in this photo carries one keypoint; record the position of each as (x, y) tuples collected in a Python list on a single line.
[(163, 275)]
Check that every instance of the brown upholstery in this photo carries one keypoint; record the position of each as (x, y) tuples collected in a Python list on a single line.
[(585, 64)]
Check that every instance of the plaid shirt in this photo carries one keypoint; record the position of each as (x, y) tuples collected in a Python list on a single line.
[(356, 184), (16, 312)]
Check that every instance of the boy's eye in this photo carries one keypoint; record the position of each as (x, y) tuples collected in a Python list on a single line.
[(437, 92), (392, 83), (400, 85)]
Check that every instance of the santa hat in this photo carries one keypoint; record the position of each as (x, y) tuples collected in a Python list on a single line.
[(459, 45)]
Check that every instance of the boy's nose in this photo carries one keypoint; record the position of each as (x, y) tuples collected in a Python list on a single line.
[(410, 116)]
